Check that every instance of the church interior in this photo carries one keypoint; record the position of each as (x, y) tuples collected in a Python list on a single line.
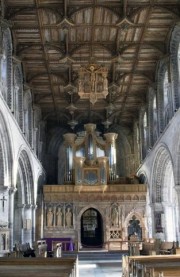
[(89, 123)]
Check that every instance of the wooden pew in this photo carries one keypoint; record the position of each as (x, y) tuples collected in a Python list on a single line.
[(166, 272), (152, 266), (39, 267)]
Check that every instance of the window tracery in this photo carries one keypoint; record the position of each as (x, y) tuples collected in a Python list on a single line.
[(28, 117)]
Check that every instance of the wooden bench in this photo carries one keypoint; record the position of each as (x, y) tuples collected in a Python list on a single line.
[(150, 247), (151, 266), (167, 247), (166, 272), (39, 267)]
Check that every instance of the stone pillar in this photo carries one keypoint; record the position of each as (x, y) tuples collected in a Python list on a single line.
[(70, 145), (149, 220), (27, 224), (34, 223), (11, 217), (177, 188), (169, 222), (111, 153)]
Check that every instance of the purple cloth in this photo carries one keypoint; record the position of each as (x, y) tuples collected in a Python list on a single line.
[(68, 243)]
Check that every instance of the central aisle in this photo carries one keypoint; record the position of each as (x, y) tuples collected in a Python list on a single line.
[(100, 264)]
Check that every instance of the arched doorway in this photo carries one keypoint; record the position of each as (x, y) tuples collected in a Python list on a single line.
[(91, 228)]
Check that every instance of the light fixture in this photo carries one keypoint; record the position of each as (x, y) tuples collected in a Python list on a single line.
[(72, 123), (107, 123), (93, 83), (110, 108), (72, 109)]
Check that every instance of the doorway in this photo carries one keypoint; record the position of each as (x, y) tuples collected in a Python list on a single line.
[(91, 228)]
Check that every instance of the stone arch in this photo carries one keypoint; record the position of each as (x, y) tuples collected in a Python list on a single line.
[(164, 195), (25, 167), (138, 217), (162, 158), (23, 200), (5, 154), (103, 216)]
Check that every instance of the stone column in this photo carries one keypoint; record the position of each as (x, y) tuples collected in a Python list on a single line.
[(111, 153), (169, 222), (11, 217), (34, 207), (27, 223), (177, 188), (70, 145)]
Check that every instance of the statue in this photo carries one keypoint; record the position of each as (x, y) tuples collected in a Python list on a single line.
[(68, 217), (59, 217), (49, 217), (115, 217)]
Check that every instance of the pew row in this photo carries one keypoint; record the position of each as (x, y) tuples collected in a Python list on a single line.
[(39, 267), (151, 266)]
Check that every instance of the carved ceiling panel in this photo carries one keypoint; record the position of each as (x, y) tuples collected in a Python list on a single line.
[(55, 38)]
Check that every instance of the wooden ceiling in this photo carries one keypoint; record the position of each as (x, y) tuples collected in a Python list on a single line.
[(54, 38)]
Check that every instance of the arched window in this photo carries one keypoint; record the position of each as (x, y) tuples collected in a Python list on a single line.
[(137, 144), (28, 124), (18, 92), (6, 68), (155, 120), (37, 143), (144, 136), (166, 98)]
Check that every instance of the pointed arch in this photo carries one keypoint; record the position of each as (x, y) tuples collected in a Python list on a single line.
[(5, 154), (164, 195), (25, 169)]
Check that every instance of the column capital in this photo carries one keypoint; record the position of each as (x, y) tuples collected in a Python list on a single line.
[(177, 188), (12, 190)]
